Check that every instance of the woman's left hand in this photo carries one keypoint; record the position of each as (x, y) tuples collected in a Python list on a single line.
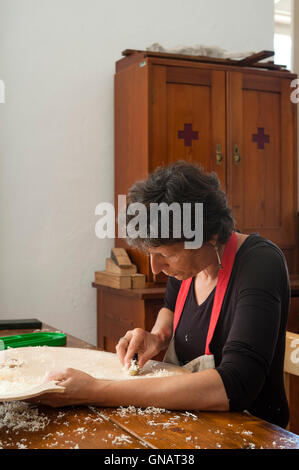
[(79, 388)]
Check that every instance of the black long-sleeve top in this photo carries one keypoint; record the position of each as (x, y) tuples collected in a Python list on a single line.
[(249, 339)]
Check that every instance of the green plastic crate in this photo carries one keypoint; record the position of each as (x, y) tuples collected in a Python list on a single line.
[(33, 339)]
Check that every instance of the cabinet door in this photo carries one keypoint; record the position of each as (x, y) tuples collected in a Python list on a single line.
[(262, 157), (188, 117)]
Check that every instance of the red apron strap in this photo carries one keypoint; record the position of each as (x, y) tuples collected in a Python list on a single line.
[(180, 302), (223, 278)]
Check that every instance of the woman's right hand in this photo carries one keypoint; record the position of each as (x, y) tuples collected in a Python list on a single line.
[(145, 344)]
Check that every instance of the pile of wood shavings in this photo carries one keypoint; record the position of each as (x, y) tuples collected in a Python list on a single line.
[(152, 410), (20, 415), (122, 411), (155, 373), (123, 439), (161, 373)]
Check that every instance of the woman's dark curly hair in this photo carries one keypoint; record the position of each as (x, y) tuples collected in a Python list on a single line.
[(182, 182)]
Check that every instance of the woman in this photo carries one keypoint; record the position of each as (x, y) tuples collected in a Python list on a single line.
[(225, 314)]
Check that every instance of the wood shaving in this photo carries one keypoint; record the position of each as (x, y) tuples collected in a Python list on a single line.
[(123, 439), (191, 415), (20, 415), (161, 373), (134, 367), (122, 411), (21, 446), (251, 445)]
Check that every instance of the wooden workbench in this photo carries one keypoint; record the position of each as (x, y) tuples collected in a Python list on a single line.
[(90, 427)]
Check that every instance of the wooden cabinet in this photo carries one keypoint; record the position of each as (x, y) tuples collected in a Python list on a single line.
[(263, 177), (237, 121)]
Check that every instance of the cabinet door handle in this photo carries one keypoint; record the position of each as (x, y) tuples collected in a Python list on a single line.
[(219, 156), (236, 156)]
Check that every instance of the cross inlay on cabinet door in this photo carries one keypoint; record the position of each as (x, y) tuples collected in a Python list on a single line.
[(188, 135), (261, 138)]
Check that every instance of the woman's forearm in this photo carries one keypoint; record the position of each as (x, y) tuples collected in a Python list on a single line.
[(202, 390)]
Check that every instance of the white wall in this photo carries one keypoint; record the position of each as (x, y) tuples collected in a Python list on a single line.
[(56, 133)]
